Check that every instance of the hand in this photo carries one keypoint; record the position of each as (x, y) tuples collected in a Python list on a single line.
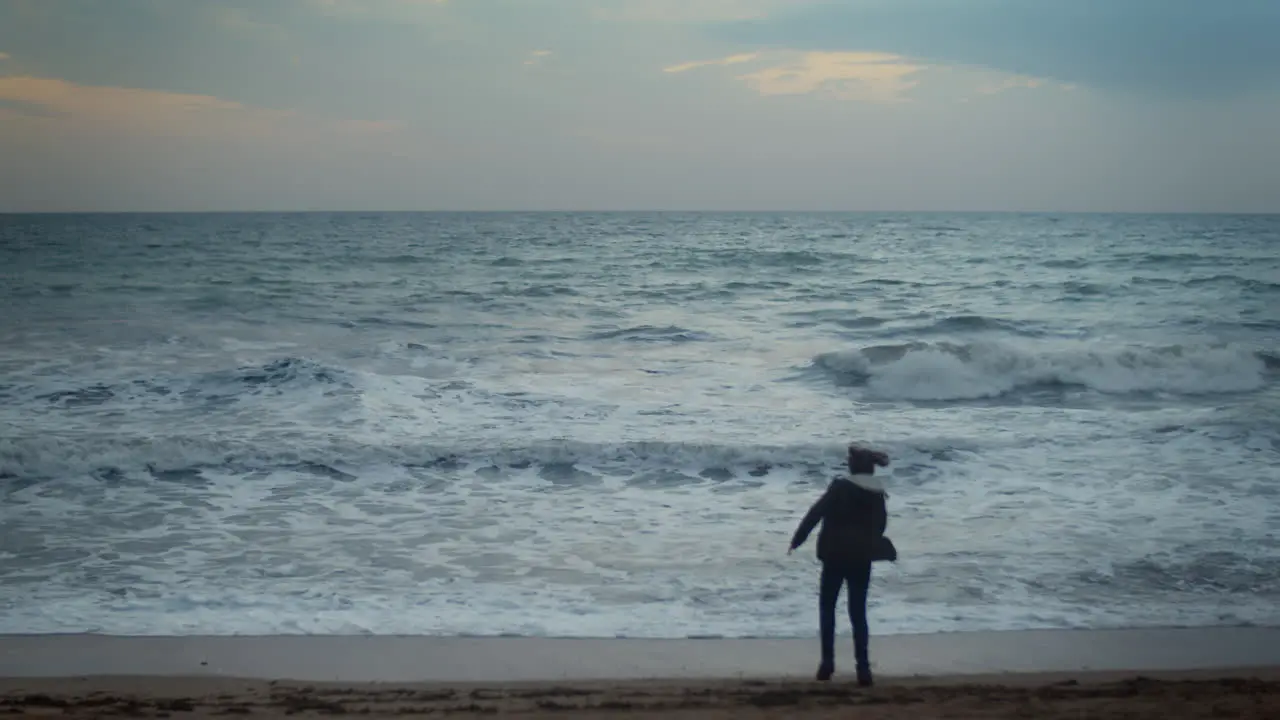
[(790, 550)]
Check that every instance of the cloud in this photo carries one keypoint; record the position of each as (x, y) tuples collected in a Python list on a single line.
[(731, 60), (157, 113), (109, 104), (1017, 81), (865, 76), (687, 11), (371, 6), (537, 57), (239, 20), (1171, 48), (4, 56), (365, 127), (406, 11)]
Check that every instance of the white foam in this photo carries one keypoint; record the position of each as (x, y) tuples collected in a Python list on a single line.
[(986, 543), (985, 370), (319, 506)]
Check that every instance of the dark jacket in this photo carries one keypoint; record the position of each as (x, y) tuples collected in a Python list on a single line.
[(853, 520)]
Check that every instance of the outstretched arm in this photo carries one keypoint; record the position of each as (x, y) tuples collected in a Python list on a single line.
[(810, 520)]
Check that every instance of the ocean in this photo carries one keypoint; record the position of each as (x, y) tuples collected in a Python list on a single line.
[(609, 425)]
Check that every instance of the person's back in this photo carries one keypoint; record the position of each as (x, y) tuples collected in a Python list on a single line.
[(854, 518)]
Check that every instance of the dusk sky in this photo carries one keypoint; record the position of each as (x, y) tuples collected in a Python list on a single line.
[(1060, 105)]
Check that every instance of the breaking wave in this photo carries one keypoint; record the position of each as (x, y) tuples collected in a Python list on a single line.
[(176, 456), (966, 371), (289, 373)]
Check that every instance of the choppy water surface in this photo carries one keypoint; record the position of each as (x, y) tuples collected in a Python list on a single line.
[(575, 424)]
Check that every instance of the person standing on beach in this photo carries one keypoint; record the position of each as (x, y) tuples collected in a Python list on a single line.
[(853, 516)]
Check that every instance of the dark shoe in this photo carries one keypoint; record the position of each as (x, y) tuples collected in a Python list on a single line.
[(825, 671), (864, 676)]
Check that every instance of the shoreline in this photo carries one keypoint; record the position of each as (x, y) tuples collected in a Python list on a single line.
[(1054, 675), (379, 658), (1243, 693)]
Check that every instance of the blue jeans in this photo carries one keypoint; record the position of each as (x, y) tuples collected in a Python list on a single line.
[(857, 576)]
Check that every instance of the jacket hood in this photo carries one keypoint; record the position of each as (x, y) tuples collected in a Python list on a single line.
[(872, 483)]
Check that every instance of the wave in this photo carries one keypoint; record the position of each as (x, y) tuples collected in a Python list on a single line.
[(970, 371), (1225, 572), (650, 333), (1163, 258), (918, 324), (976, 323), (1076, 288), (1066, 263), (180, 458), (1229, 279), (760, 258), (288, 370), (787, 258), (275, 376), (544, 291)]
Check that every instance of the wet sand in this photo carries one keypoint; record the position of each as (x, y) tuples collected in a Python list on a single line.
[(1244, 693), (1206, 673)]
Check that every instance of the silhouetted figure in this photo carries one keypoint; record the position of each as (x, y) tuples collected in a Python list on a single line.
[(853, 516)]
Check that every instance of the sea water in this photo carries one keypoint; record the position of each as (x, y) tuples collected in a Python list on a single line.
[(571, 424)]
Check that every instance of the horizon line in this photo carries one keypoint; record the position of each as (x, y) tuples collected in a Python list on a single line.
[(553, 211)]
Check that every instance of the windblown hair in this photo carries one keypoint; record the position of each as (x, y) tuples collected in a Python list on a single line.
[(863, 461)]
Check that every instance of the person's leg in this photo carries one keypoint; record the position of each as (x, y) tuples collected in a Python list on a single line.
[(859, 579), (828, 594)]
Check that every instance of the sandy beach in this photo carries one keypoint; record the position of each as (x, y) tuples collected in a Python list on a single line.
[(1187, 673), (1241, 693)]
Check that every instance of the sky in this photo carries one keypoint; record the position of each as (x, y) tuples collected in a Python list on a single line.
[(987, 105)]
